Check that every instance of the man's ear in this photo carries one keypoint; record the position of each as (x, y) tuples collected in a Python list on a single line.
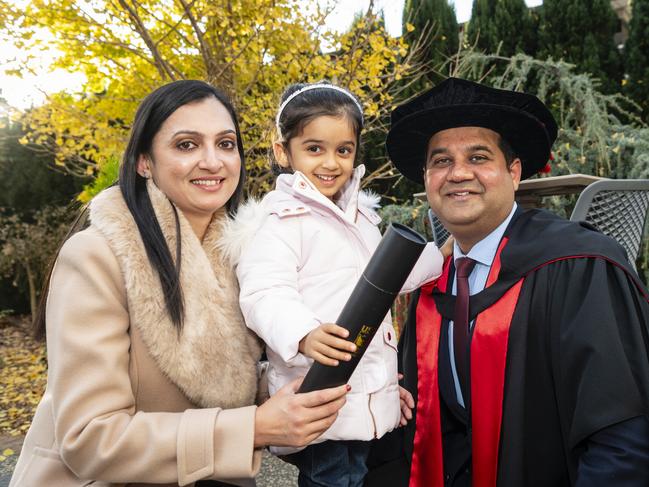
[(515, 169), (143, 166), (280, 154)]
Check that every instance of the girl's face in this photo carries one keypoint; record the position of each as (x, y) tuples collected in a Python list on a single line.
[(194, 160), (324, 152)]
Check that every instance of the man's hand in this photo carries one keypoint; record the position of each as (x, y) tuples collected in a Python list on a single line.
[(327, 345), (407, 404)]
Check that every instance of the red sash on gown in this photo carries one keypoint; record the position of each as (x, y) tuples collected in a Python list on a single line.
[(488, 360)]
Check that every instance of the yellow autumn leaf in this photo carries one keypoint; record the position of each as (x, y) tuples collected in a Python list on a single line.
[(251, 49), (22, 380)]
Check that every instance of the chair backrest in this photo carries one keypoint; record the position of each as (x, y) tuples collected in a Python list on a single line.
[(617, 208), (440, 234)]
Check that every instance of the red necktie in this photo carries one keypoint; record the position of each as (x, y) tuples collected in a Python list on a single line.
[(463, 267)]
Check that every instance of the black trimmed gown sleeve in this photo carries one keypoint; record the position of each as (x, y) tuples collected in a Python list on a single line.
[(599, 344)]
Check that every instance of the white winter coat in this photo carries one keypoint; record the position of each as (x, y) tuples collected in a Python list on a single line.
[(301, 262)]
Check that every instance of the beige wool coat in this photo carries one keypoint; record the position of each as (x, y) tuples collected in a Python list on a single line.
[(129, 401)]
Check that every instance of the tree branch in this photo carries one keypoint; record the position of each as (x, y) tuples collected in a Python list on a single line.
[(206, 52), (163, 68)]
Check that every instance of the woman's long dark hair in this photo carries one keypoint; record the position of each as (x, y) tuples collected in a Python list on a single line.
[(150, 115)]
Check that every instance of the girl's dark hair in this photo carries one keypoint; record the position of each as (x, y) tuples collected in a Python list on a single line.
[(150, 115), (308, 106)]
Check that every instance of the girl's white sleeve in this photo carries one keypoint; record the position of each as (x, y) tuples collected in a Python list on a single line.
[(269, 293), (427, 268)]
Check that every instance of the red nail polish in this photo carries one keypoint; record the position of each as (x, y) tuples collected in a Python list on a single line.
[(349, 388)]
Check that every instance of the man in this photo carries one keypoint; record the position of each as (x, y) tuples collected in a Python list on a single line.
[(541, 376)]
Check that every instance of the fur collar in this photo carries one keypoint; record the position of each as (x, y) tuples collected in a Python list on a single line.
[(213, 360), (369, 199), (250, 217), (252, 214)]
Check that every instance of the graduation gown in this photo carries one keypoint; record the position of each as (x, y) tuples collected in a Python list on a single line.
[(559, 351)]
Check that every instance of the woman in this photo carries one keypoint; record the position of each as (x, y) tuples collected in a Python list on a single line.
[(152, 373)]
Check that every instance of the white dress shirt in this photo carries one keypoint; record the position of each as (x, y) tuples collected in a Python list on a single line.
[(483, 253)]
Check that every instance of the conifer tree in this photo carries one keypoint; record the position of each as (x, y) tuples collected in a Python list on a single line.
[(437, 19), (480, 31), (515, 27), (581, 32), (503, 26), (637, 56)]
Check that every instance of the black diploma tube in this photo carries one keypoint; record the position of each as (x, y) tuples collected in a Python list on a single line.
[(370, 301)]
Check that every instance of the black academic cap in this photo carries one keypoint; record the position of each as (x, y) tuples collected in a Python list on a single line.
[(521, 119)]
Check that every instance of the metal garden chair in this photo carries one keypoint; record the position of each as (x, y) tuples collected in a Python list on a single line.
[(618, 208), (440, 233)]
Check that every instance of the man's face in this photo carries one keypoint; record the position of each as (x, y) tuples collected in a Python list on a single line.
[(468, 184)]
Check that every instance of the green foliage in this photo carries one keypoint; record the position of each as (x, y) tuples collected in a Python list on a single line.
[(27, 245), (27, 178), (432, 35), (252, 49), (28, 182), (637, 56), (5, 313), (595, 136), (481, 30), (600, 134), (581, 32), (413, 214), (501, 26), (108, 175), (433, 23), (631, 153)]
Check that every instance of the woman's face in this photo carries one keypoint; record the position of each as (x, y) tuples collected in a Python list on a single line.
[(195, 161)]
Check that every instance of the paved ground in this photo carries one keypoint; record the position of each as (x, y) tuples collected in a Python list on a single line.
[(274, 472), (7, 466)]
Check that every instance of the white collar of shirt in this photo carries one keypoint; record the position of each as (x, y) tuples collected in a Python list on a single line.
[(483, 253), (485, 250)]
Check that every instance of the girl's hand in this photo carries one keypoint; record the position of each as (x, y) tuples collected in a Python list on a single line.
[(290, 419), (407, 404), (326, 344)]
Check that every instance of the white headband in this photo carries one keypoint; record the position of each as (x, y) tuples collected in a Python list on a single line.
[(313, 87)]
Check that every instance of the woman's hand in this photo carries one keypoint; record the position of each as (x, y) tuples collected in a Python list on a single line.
[(290, 419), (407, 404), (327, 345)]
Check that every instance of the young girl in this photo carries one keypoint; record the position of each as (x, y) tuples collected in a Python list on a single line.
[(311, 240)]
